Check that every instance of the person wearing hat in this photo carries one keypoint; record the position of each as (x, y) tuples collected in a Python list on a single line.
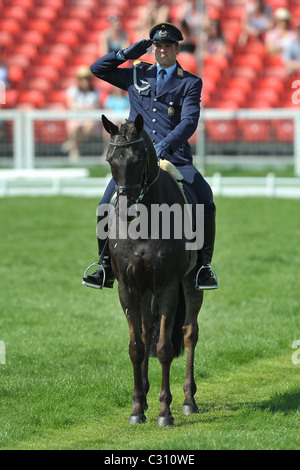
[(80, 96), (291, 54), (277, 38), (168, 98)]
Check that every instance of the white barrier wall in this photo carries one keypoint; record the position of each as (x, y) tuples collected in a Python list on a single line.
[(25, 124)]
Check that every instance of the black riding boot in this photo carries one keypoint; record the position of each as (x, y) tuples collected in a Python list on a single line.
[(206, 276), (97, 279)]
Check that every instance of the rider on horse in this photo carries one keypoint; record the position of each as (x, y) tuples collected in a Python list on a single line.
[(168, 98)]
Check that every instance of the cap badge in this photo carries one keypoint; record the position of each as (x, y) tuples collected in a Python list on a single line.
[(163, 33)]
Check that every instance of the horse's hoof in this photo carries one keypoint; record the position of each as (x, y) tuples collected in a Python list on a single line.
[(163, 421), (189, 409), (137, 419)]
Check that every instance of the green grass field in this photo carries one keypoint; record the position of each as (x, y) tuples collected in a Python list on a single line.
[(67, 381)]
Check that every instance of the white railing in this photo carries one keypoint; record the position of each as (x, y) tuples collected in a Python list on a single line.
[(24, 139), (58, 183)]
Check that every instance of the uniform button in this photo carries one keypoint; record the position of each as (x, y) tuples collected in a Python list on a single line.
[(153, 120), (171, 103), (154, 131), (154, 110), (155, 99)]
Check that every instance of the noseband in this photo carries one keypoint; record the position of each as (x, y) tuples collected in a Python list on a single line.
[(143, 186)]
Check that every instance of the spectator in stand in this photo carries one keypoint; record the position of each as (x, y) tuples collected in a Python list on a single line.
[(281, 34), (3, 80), (117, 100), (82, 96), (113, 38), (188, 12), (256, 22), (149, 14), (214, 42), (291, 54), (189, 41)]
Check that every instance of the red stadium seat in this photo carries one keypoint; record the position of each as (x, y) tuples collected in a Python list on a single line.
[(249, 60), (11, 98), (15, 75), (16, 12), (40, 25), (271, 83), (266, 94), (40, 84), (32, 37), (221, 131), (19, 60), (45, 12), (58, 96), (283, 130), (81, 13), (53, 60), (71, 24), (62, 50), (66, 37), (233, 94), (227, 104), (245, 72), (6, 39), (241, 83), (34, 97), (216, 60), (25, 4), (28, 50), (188, 62), (46, 71), (50, 132), (259, 104), (278, 72), (255, 131), (10, 25)]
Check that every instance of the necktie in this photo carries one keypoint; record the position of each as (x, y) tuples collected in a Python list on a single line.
[(161, 80)]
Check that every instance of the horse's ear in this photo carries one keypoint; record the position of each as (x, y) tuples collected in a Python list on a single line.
[(109, 126), (139, 123)]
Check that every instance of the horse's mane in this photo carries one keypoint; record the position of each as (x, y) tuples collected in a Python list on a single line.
[(149, 144)]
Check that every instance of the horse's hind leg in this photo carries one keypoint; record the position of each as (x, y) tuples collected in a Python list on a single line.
[(193, 300)]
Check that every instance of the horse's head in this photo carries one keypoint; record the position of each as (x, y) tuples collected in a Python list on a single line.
[(128, 156)]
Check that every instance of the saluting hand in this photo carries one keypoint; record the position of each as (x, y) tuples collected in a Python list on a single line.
[(136, 50)]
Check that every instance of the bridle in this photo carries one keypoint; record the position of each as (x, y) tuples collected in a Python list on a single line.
[(144, 186)]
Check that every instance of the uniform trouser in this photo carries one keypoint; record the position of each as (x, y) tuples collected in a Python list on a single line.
[(204, 196)]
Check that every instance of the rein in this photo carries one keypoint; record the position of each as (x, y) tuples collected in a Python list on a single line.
[(144, 186)]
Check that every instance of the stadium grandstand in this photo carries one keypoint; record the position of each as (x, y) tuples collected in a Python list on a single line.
[(42, 44)]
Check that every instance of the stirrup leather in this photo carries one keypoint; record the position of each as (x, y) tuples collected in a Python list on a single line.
[(205, 287), (89, 284)]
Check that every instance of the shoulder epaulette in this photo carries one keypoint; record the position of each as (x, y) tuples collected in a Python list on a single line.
[(138, 62)]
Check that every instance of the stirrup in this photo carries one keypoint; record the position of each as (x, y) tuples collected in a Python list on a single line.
[(204, 287), (89, 284)]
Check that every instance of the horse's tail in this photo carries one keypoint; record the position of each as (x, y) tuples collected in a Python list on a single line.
[(177, 335)]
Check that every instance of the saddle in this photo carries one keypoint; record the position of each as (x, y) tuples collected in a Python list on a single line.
[(185, 187)]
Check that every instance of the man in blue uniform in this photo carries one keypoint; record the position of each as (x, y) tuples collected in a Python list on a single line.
[(168, 98)]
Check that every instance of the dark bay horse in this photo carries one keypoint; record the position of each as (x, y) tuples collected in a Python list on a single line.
[(152, 268)]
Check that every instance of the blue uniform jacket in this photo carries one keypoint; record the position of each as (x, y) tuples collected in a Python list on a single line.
[(171, 115)]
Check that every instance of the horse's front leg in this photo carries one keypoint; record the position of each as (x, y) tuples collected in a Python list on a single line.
[(131, 307), (165, 352), (147, 337)]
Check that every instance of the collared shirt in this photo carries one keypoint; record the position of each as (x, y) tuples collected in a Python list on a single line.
[(169, 71)]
